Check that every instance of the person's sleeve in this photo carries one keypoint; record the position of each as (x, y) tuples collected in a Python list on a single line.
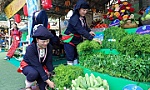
[(34, 60), (88, 29), (82, 31), (49, 63)]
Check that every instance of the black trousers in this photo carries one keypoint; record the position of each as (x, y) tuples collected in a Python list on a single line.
[(32, 75), (71, 52)]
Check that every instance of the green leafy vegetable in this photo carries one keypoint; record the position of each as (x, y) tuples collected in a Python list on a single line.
[(135, 44), (88, 47), (133, 68), (115, 33), (65, 74)]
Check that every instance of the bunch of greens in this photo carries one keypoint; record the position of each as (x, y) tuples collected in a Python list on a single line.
[(65, 74), (113, 33), (88, 47), (133, 68), (135, 44)]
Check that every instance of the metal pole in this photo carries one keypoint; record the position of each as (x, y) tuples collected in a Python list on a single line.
[(9, 40), (39, 4), (140, 4), (59, 27)]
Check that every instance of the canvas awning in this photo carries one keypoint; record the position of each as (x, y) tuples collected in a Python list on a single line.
[(99, 5)]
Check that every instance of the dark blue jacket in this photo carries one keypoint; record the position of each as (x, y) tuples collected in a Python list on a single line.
[(32, 59), (75, 25), (41, 18)]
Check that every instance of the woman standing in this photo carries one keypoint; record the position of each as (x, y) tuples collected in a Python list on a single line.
[(37, 62), (16, 36), (78, 27)]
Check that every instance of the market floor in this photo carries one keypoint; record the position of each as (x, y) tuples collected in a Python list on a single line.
[(10, 79)]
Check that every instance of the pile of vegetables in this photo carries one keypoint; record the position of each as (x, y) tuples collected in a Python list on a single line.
[(64, 76), (135, 44), (98, 23), (132, 62), (133, 68), (88, 47), (101, 26), (110, 34), (89, 83)]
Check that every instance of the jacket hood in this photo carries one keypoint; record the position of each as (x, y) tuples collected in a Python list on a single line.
[(81, 3)]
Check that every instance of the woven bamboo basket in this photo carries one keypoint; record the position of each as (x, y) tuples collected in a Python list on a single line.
[(129, 25)]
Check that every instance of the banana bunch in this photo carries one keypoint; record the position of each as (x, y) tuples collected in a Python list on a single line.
[(89, 83)]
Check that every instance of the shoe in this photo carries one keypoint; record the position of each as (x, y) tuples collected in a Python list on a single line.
[(75, 62), (7, 58), (69, 62)]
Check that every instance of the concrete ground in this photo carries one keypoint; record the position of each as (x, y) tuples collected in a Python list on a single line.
[(10, 79)]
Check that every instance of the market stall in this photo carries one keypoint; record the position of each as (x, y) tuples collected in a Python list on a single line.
[(122, 58), (121, 62)]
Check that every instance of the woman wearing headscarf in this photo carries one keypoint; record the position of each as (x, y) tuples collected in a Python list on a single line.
[(78, 27), (37, 61), (39, 17)]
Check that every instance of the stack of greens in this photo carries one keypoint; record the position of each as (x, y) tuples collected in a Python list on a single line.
[(135, 44), (133, 68), (64, 76), (87, 48), (113, 36)]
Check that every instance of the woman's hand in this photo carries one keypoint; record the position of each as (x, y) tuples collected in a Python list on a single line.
[(92, 33), (50, 83)]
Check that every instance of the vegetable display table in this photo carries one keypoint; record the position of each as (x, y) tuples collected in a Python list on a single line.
[(117, 83), (131, 30)]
